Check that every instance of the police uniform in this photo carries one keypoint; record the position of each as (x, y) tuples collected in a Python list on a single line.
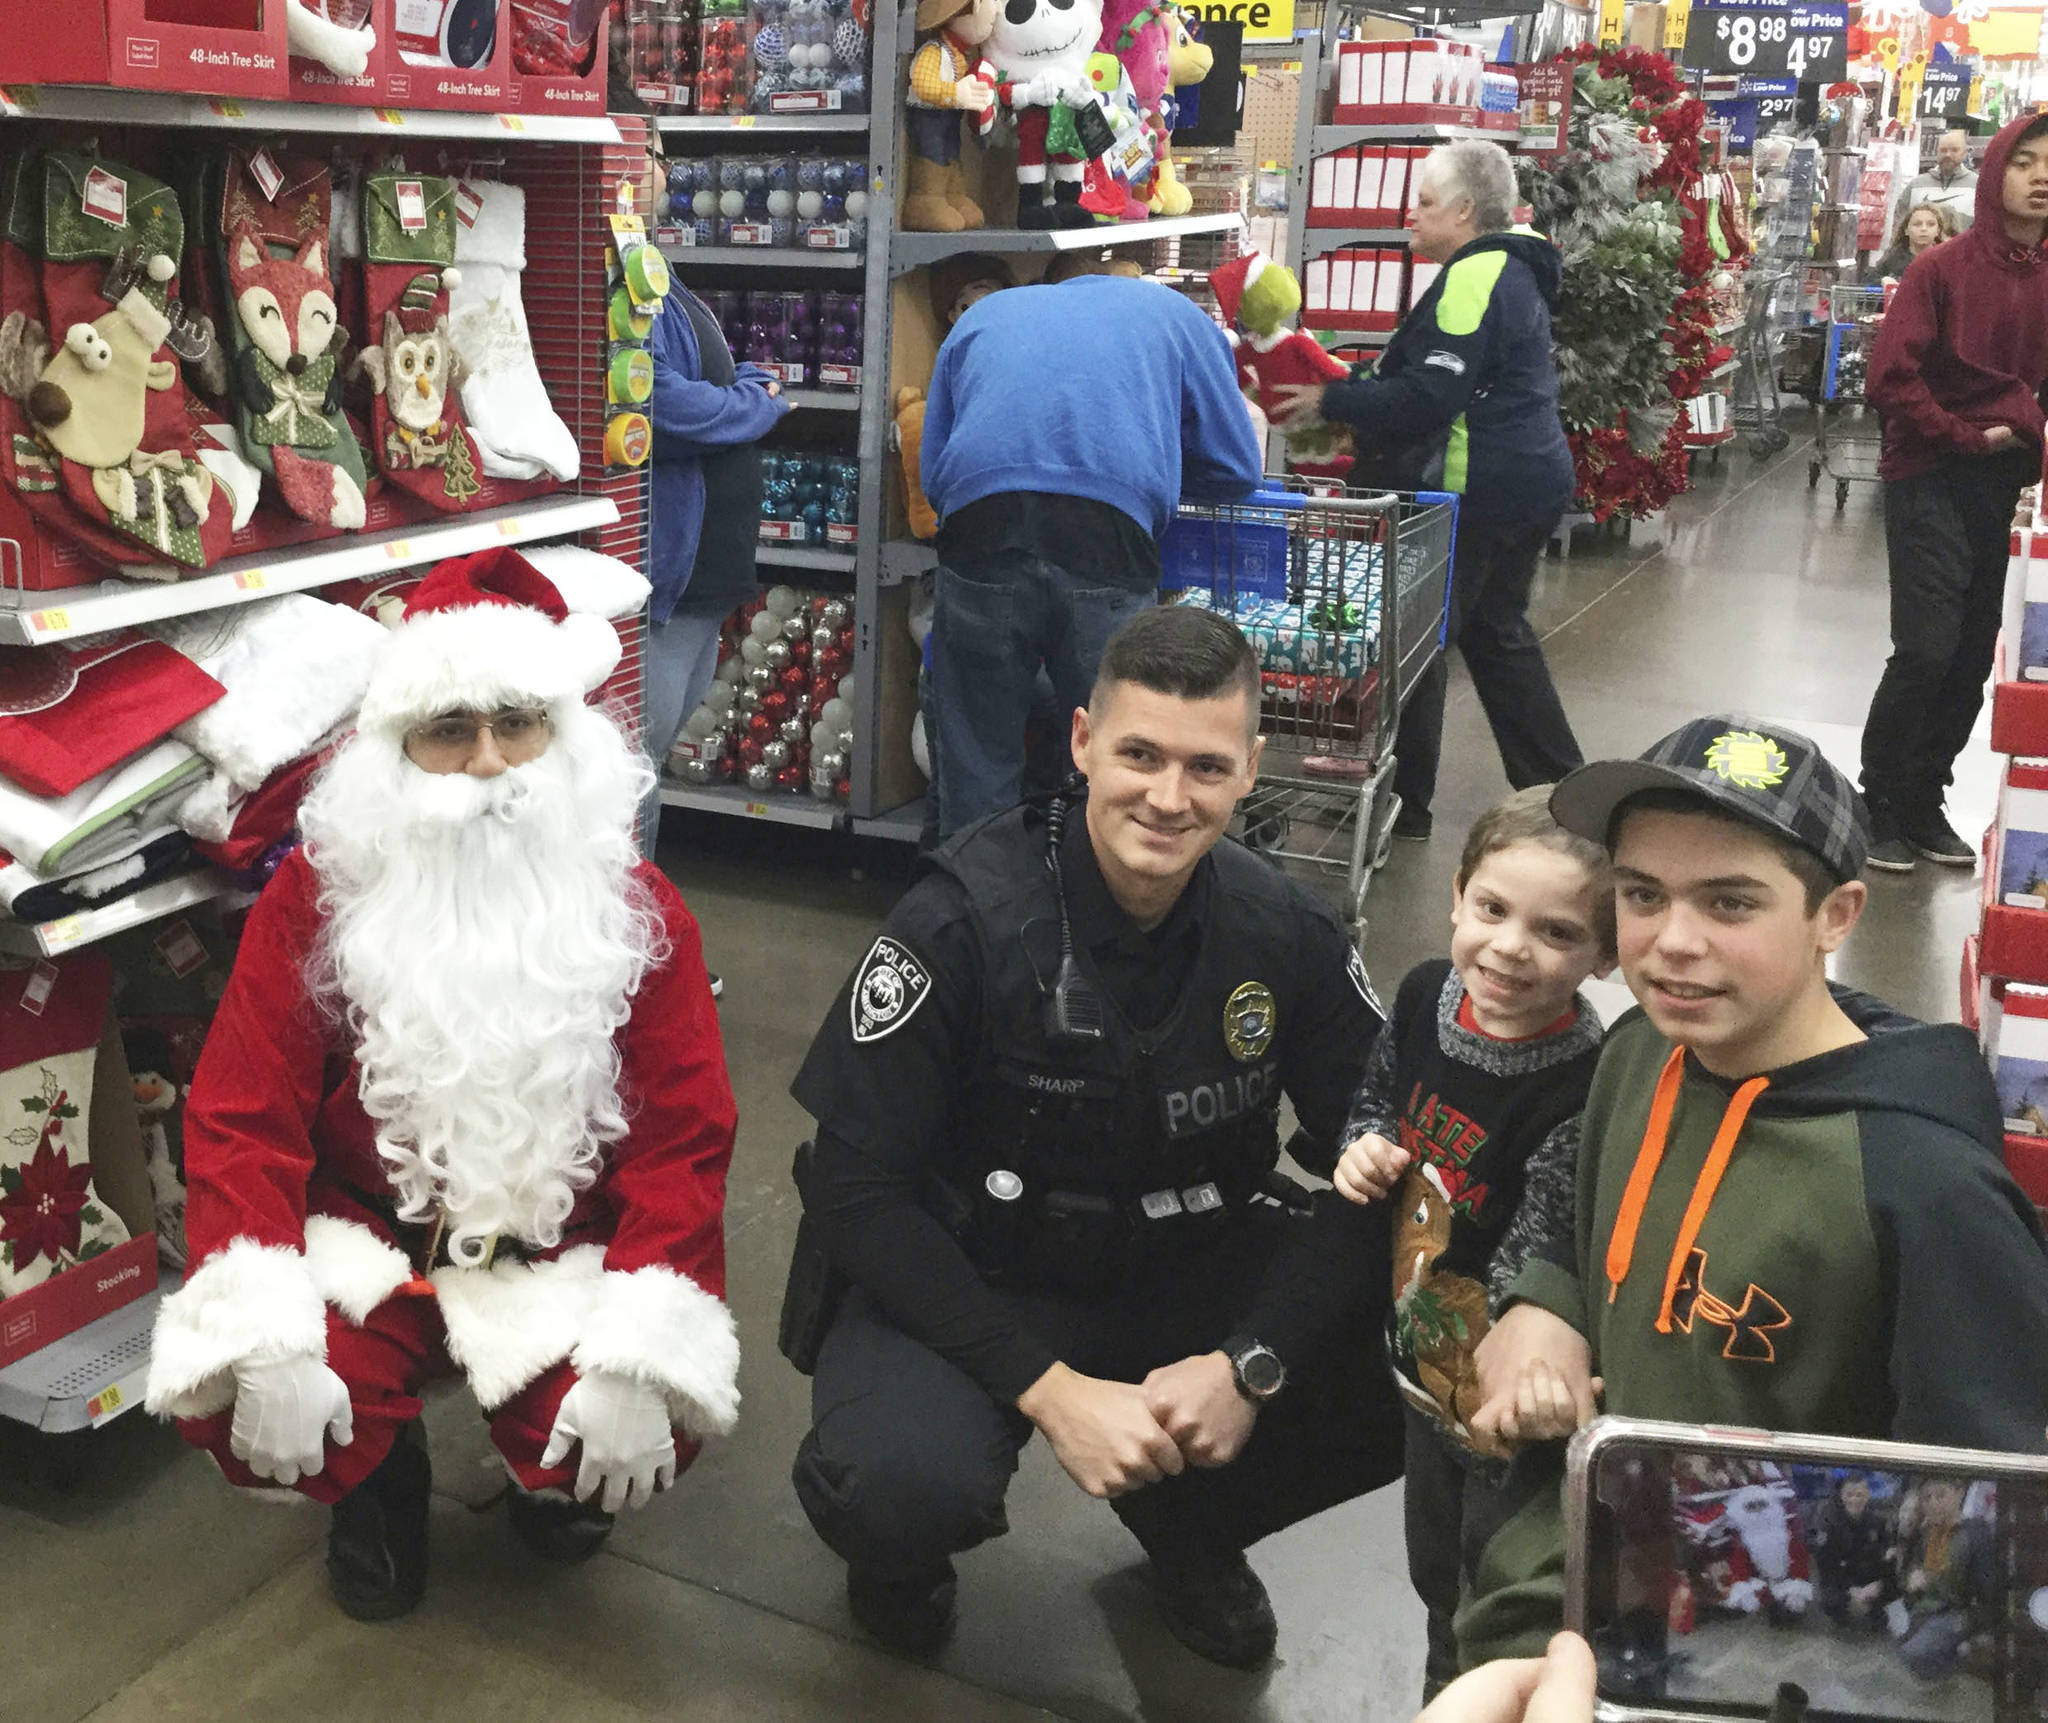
[(1000, 1199)]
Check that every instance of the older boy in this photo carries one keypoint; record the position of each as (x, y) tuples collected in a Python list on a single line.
[(1791, 1207)]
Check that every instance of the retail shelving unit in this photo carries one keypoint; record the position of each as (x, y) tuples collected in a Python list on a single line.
[(570, 169), (887, 789)]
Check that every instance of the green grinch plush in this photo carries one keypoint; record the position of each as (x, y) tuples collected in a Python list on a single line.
[(1259, 297)]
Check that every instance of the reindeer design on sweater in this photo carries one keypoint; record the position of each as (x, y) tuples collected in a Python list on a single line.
[(1439, 1317)]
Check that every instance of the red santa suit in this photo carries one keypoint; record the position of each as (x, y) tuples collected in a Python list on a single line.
[(296, 1244)]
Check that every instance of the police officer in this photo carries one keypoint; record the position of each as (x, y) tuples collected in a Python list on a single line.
[(1047, 1107)]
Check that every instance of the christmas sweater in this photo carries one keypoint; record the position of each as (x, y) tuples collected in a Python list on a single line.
[(1492, 1127)]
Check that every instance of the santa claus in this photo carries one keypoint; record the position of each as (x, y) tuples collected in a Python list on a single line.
[(464, 1105)]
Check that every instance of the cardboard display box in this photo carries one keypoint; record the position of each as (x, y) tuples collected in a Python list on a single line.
[(204, 47)]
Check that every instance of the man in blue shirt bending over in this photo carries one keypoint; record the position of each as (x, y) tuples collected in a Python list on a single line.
[(1064, 425)]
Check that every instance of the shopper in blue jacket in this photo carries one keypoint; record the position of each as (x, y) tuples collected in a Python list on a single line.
[(707, 414), (1465, 399), (1063, 426)]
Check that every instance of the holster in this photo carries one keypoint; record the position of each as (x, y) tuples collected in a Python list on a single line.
[(815, 1289)]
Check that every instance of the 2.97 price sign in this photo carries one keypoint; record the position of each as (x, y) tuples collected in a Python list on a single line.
[(1769, 39)]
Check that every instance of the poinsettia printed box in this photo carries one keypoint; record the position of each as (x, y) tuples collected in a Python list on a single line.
[(75, 1208)]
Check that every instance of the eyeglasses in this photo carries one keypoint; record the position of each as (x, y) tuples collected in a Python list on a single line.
[(520, 732)]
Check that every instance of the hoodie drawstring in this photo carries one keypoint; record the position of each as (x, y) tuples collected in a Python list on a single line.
[(1621, 1246)]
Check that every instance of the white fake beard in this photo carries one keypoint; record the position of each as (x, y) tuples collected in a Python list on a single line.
[(484, 940)]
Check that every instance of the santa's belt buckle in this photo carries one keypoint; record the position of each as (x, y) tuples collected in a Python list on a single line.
[(1200, 1199)]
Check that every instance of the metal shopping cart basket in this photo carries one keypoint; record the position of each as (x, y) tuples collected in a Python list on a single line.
[(1757, 407), (1343, 595), (1847, 433)]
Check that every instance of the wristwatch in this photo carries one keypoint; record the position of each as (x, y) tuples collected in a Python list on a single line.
[(1258, 1372)]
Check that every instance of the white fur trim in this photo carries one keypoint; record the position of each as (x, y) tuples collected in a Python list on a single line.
[(498, 235), (482, 656), (343, 51), (249, 1302), (1255, 268), (590, 581), (662, 1329), (1266, 343), (150, 323), (509, 1323), (353, 1269)]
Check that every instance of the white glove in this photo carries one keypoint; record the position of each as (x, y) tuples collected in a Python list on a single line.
[(284, 1412), (629, 1450)]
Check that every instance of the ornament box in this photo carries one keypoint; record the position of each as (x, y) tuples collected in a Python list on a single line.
[(1399, 83), (2012, 943), (1371, 185), (1357, 287), (2026, 608), (199, 47), (2020, 844), (2015, 1039)]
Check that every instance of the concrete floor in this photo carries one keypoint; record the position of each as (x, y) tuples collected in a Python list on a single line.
[(139, 1586)]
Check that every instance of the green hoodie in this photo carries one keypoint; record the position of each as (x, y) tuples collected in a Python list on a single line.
[(1863, 1266)]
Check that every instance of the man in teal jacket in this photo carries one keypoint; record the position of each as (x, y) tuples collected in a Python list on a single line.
[(1465, 399)]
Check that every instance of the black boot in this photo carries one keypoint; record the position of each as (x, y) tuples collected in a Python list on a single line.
[(558, 1528), (1217, 1607), (1066, 205), (377, 1543), (1034, 209), (912, 1616)]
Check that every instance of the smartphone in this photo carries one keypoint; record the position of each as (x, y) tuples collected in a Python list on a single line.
[(1730, 1573)]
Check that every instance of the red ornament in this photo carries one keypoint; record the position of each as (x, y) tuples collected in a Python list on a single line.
[(823, 688), (775, 706), (792, 779), (832, 665), (750, 751), (792, 680), (842, 792), (800, 651), (760, 727)]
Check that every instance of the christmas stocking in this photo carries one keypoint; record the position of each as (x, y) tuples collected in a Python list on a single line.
[(516, 428), (286, 336), (409, 253), (111, 400)]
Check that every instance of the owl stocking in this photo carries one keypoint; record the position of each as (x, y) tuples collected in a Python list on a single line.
[(507, 405), (421, 443)]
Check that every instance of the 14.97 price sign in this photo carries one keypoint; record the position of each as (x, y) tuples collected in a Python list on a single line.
[(1769, 38)]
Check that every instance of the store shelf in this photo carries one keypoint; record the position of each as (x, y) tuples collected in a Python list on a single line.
[(1329, 138), (914, 250), (904, 825), (69, 612), (804, 556), (1328, 236), (89, 1376), (670, 124), (759, 256), (824, 400), (157, 108), (778, 805), (907, 559), (1726, 369), (152, 903)]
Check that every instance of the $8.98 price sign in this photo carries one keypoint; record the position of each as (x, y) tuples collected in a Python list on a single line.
[(1808, 42)]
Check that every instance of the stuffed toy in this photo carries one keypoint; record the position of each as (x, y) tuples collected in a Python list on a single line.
[(1188, 62), (421, 441), (946, 80), (1107, 182), (1257, 296), (1039, 53), (909, 440), (336, 33)]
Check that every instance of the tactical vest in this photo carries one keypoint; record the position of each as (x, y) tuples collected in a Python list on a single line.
[(1080, 1167)]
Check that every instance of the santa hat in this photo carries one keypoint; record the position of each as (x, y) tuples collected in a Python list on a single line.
[(1229, 282), (482, 632)]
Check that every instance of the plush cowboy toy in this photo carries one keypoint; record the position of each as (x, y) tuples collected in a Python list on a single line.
[(1257, 297), (464, 1103), (946, 80)]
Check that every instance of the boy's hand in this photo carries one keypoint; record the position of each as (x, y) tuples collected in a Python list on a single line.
[(1545, 1407), (1999, 437), (1526, 1337), (1370, 1168)]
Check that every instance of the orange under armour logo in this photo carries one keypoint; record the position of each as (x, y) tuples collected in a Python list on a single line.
[(1750, 1325)]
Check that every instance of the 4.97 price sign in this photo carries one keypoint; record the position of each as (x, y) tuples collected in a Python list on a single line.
[(1770, 38)]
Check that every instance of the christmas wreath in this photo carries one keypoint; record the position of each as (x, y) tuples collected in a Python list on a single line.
[(1633, 323)]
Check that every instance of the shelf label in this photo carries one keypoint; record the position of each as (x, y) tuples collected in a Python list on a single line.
[(226, 109), (512, 122), (742, 122), (760, 808), (511, 528), (398, 549), (50, 621), (782, 531), (117, 1397), (390, 116), (251, 580)]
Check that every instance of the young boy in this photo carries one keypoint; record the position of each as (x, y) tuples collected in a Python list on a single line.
[(1473, 1094), (1791, 1208)]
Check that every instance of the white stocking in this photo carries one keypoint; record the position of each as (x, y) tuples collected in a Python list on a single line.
[(516, 428)]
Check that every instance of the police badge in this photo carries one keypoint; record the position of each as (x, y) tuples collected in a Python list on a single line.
[(1249, 1019)]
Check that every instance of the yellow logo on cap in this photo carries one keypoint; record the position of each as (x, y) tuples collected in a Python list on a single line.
[(1745, 758)]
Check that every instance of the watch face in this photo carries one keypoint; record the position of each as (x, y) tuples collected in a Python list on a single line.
[(1261, 1371)]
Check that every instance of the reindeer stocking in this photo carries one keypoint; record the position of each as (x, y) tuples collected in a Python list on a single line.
[(111, 401), (285, 333), (409, 253), (515, 426)]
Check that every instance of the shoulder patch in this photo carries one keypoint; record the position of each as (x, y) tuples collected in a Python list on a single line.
[(1355, 968), (1445, 360), (889, 987)]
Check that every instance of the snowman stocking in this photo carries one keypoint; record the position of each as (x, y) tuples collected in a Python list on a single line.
[(516, 428), (285, 334), (421, 442), (111, 401)]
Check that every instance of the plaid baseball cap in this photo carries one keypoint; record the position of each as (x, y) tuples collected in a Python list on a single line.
[(1770, 777)]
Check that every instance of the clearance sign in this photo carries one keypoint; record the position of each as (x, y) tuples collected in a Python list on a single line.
[(1263, 20)]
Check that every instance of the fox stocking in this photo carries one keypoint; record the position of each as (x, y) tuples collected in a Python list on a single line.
[(516, 428), (421, 442)]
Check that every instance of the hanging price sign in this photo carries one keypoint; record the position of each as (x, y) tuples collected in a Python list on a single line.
[(1768, 38)]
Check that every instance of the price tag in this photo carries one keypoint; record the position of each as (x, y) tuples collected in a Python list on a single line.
[(268, 174), (182, 949), (412, 205), (1677, 16), (104, 196), (251, 580), (512, 122), (511, 528), (760, 808), (50, 621), (42, 979), (1613, 20), (469, 203), (117, 1397), (398, 549), (743, 122), (390, 116), (227, 110), (1769, 38)]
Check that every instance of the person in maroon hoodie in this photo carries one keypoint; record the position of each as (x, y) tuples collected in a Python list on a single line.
[(1957, 375)]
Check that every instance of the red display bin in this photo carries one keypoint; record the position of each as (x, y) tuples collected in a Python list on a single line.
[(418, 78), (312, 82), (204, 47), (563, 93), (30, 1320)]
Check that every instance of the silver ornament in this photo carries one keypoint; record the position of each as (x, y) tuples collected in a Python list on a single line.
[(832, 765), (836, 614), (696, 771), (795, 627), (774, 755), (760, 678), (823, 639), (761, 776), (794, 731), (821, 788), (777, 656)]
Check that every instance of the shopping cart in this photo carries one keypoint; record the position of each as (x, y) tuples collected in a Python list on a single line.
[(1846, 432), (1343, 595), (1757, 407)]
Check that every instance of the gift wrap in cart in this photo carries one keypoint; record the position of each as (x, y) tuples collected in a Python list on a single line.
[(1343, 595)]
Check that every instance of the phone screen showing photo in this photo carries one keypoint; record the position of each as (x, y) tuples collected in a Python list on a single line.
[(1717, 1577)]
